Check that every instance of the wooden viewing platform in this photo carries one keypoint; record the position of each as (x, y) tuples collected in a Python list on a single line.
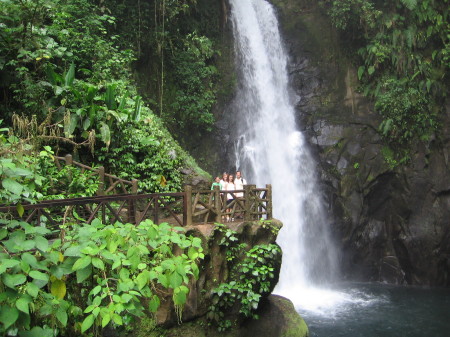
[(184, 208)]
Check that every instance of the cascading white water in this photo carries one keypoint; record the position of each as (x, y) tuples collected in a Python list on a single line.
[(270, 149)]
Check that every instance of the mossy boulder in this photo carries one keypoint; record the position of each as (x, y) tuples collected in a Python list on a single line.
[(277, 318)]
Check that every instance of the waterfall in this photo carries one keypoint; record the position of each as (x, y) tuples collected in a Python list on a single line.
[(270, 149)]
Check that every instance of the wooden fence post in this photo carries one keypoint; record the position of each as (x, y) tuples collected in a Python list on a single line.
[(131, 203), (269, 201), (101, 178), (69, 160), (134, 186), (187, 205), (247, 203), (217, 204), (253, 207)]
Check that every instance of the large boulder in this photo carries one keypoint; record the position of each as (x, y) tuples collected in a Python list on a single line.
[(277, 318)]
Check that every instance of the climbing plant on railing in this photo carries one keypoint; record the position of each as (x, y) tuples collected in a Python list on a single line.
[(96, 275)]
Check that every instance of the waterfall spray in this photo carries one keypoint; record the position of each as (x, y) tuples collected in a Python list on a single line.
[(270, 148)]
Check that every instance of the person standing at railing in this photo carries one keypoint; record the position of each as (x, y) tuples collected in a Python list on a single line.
[(223, 181), (216, 183), (239, 183), (229, 186)]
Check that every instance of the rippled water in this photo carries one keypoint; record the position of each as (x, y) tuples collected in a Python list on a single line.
[(373, 310)]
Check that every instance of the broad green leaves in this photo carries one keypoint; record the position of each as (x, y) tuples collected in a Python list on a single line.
[(107, 268)]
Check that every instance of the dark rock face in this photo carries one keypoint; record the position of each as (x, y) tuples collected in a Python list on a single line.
[(393, 222)]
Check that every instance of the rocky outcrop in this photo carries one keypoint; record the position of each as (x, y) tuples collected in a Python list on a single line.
[(393, 221), (224, 248), (277, 318)]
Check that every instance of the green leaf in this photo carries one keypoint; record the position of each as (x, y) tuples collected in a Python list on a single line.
[(41, 243), (86, 124), (179, 296), (70, 126), (73, 251), (175, 280), (154, 303), (142, 279), (38, 275), (58, 289), (8, 263), (162, 279), (8, 316), (361, 72), (117, 319), (105, 134), (62, 317), (22, 304), (192, 253), (31, 260), (98, 263), (12, 186), (82, 263), (110, 97), (124, 274), (371, 70), (3, 233), (32, 289), (137, 109), (83, 274), (87, 323), (13, 280), (70, 76), (106, 319), (20, 209)]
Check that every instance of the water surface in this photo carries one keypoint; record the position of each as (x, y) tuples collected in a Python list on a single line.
[(373, 310)]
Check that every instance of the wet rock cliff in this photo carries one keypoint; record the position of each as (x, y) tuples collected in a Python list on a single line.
[(391, 221)]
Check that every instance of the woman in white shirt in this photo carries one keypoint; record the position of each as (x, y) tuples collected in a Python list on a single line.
[(229, 186)]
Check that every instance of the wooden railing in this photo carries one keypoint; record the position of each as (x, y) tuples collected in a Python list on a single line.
[(109, 184), (184, 208), (248, 204)]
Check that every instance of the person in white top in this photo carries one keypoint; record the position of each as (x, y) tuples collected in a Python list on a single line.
[(239, 183), (223, 181), (229, 186)]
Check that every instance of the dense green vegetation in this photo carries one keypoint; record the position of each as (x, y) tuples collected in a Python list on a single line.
[(68, 85), (67, 81), (403, 60), (93, 275)]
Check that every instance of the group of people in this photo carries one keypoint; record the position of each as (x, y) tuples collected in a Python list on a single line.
[(230, 182)]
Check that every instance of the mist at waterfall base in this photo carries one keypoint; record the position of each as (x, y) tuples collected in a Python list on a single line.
[(269, 149)]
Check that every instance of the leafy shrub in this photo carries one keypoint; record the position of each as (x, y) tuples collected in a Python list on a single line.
[(96, 275), (406, 113)]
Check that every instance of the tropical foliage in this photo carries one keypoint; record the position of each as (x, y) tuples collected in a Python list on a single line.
[(95, 275), (403, 60), (67, 80)]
